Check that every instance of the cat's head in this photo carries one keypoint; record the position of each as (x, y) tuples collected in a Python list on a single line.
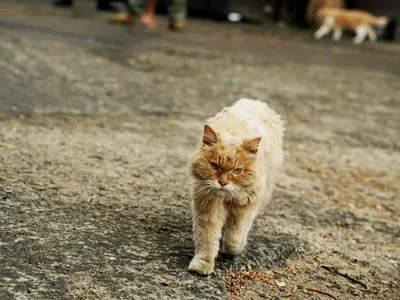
[(227, 166)]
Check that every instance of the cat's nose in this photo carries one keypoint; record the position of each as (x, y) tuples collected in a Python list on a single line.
[(222, 182)]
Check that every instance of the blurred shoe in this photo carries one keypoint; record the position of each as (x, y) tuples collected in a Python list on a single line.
[(62, 3), (176, 25), (123, 18), (106, 6)]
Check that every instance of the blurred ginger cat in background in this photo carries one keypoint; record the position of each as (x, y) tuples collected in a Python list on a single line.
[(233, 172), (361, 22)]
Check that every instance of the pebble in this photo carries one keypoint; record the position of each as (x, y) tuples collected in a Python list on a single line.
[(280, 284), (166, 283), (358, 293)]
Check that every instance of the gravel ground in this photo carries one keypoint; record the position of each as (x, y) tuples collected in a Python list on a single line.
[(96, 127)]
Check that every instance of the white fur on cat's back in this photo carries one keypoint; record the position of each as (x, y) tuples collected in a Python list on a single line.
[(260, 121), (255, 113)]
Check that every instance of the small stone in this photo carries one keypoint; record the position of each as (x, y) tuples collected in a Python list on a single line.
[(166, 283), (280, 284), (389, 256), (358, 293), (351, 205), (96, 214)]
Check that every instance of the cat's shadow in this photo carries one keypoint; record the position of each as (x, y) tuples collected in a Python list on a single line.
[(171, 239)]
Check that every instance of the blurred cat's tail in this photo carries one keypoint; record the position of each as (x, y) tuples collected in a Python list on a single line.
[(380, 20)]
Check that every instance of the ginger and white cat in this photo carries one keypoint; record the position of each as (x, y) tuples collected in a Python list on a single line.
[(233, 172), (361, 22)]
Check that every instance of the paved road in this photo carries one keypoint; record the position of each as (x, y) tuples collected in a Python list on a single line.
[(97, 124)]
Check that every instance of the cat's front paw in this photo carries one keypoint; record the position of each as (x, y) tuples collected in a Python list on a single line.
[(317, 36), (201, 266)]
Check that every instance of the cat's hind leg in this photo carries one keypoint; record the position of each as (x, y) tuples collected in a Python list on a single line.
[(372, 34), (237, 228), (337, 34), (209, 217), (361, 34)]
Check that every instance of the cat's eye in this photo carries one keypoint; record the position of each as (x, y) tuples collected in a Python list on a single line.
[(237, 170), (214, 165)]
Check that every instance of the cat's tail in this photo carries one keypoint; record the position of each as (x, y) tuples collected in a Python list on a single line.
[(380, 20)]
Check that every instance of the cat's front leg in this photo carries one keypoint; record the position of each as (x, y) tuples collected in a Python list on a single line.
[(237, 228), (209, 218), (322, 31)]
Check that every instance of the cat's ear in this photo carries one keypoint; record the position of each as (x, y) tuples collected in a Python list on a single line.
[(252, 145), (209, 137)]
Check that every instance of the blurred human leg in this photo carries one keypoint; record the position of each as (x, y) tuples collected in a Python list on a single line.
[(177, 14)]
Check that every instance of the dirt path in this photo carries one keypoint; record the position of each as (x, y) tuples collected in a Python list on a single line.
[(95, 137)]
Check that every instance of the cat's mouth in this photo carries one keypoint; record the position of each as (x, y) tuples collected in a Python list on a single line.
[(225, 189)]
